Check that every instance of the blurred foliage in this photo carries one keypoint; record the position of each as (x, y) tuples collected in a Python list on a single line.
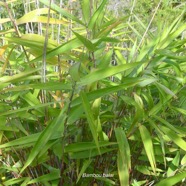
[(92, 93)]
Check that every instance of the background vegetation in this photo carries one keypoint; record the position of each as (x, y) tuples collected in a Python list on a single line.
[(95, 87)]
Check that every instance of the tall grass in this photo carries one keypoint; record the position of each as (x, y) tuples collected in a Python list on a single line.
[(87, 98)]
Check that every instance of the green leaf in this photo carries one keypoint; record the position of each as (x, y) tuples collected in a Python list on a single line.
[(64, 48), (109, 71), (144, 170), (123, 159), (105, 61), (95, 16), (82, 146), (180, 110), (61, 11), (170, 54), (55, 174), (148, 145), (104, 32), (20, 76), (87, 43), (33, 41), (129, 82), (46, 136), (74, 71), (122, 170), (170, 37), (85, 5), (11, 112), (106, 180), (86, 163), (27, 141), (166, 123), (32, 101), (174, 137), (4, 20), (174, 165), (90, 153), (40, 19), (41, 86), (14, 181), (165, 89), (107, 39), (172, 180), (90, 118), (2, 32), (34, 16)]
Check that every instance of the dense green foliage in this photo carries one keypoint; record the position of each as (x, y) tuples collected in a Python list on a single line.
[(93, 93)]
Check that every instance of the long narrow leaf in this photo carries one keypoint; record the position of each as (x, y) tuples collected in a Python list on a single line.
[(174, 137), (172, 180), (96, 15), (109, 71), (45, 137), (148, 145), (62, 11), (123, 160), (90, 118)]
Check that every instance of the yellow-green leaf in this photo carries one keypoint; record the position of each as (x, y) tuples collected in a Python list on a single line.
[(41, 19), (4, 20)]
